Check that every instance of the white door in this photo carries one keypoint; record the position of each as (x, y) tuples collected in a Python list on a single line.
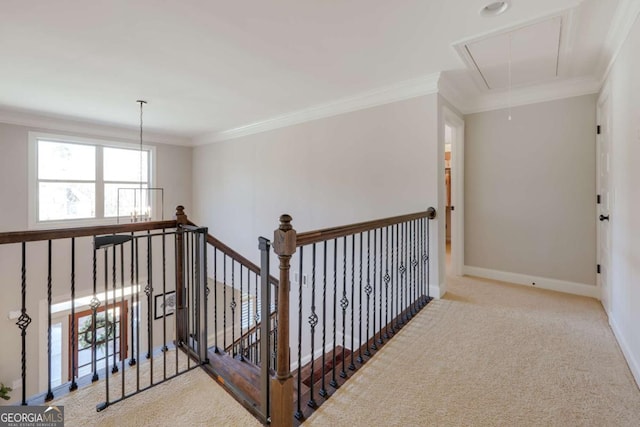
[(604, 199)]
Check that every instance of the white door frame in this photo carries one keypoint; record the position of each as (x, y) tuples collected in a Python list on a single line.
[(606, 207), (456, 123)]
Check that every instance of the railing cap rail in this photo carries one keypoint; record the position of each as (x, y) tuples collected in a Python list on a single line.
[(317, 236), (67, 233)]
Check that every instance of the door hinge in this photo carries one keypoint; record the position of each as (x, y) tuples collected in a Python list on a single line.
[(598, 268), (598, 199), (598, 129), (453, 208)]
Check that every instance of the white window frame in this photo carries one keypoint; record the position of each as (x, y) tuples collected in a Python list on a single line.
[(35, 223)]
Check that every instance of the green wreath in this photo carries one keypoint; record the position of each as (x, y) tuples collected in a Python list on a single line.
[(85, 334)]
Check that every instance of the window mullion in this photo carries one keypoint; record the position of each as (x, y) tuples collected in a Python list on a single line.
[(99, 182)]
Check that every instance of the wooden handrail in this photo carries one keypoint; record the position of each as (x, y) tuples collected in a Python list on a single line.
[(316, 236), (67, 233)]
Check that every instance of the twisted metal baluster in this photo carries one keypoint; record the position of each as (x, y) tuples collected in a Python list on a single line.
[(368, 289), (374, 346), (215, 300), (73, 339), (352, 365), (298, 413), (387, 279), (241, 343), (313, 321), (23, 323), (94, 304), (224, 303), (403, 274), (333, 382), (344, 303), (114, 368), (49, 395), (233, 308), (360, 359), (132, 360), (323, 389)]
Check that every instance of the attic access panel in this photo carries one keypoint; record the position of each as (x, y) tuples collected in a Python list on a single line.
[(534, 50)]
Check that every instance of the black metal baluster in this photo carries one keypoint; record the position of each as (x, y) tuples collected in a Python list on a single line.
[(381, 325), (123, 326), (407, 239), (114, 368), (420, 265), (298, 413), (414, 265), (106, 330), (374, 346), (403, 274), (224, 302), (233, 308), (49, 301), (215, 299), (428, 260), (396, 324), (333, 382), (344, 304), (360, 359), (189, 284), (256, 342), (241, 343), (387, 279), (323, 388), (410, 273), (23, 323), (425, 298), (73, 339), (148, 290), (94, 304), (368, 290), (137, 303), (352, 365), (313, 321), (134, 285), (165, 348)]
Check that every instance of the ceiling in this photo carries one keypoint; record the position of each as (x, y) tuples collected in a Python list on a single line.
[(209, 66)]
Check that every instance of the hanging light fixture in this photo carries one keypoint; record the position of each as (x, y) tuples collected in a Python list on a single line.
[(142, 197), (146, 214)]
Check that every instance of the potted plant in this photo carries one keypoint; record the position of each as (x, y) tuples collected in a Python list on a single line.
[(4, 392)]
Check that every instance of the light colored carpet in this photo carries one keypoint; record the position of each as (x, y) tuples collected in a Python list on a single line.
[(493, 354), (190, 399), (489, 354)]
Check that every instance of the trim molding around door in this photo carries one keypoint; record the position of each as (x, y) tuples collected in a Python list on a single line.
[(457, 190)]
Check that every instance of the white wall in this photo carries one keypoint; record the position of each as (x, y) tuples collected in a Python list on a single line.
[(624, 314), (353, 167), (530, 194)]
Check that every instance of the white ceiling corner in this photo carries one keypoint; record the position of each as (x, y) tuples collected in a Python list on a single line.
[(627, 12)]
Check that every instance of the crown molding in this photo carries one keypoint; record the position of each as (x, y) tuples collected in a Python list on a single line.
[(97, 129), (397, 92), (625, 16), (534, 94), (453, 95)]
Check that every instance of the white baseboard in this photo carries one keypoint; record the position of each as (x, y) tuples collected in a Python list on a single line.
[(540, 282), (633, 363), (437, 291)]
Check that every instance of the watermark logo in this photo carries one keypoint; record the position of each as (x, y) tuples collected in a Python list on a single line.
[(32, 416)]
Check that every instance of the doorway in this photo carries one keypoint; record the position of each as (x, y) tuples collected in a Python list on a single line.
[(454, 192), (603, 198)]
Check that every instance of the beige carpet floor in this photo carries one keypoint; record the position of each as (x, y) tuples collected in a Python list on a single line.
[(489, 354), (493, 354)]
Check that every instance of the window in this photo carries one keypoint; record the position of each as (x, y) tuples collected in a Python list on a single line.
[(80, 181)]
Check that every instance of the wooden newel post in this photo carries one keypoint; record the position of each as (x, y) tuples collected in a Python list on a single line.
[(284, 245), (181, 293)]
